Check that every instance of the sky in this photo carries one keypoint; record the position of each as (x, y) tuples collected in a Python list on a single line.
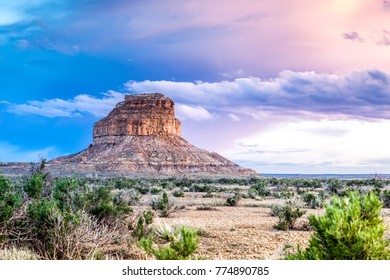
[(282, 86)]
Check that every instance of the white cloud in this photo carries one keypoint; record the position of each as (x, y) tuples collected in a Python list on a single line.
[(335, 146), (234, 117), (52, 108), (233, 74), (364, 94), (17, 10), (358, 94), (196, 113)]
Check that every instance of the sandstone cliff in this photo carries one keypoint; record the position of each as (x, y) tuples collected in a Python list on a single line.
[(141, 136)]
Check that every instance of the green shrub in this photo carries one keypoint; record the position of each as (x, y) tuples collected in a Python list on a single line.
[(335, 186), (233, 200), (351, 229), (43, 221), (156, 190), (71, 194), (163, 205), (10, 199), (34, 186), (204, 188), (287, 214), (183, 243), (178, 194), (385, 196), (105, 205), (260, 189), (312, 200), (145, 219), (283, 192)]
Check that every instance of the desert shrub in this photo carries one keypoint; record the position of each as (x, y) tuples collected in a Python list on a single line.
[(335, 186), (124, 183), (204, 188), (182, 245), (177, 193), (34, 186), (252, 193), (182, 182), (385, 196), (144, 220), (71, 195), (312, 200), (260, 189), (156, 190), (288, 214), (163, 205), (10, 199), (60, 219), (351, 229), (105, 205), (206, 208), (234, 199), (283, 192), (46, 223)]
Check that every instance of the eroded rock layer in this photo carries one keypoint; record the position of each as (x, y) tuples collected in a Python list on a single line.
[(141, 136), (139, 115)]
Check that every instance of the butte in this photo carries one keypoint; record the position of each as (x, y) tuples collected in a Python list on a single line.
[(142, 137)]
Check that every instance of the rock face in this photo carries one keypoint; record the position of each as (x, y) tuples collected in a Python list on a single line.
[(141, 136), (139, 115)]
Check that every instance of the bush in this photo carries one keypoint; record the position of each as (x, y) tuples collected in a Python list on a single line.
[(156, 190), (351, 229), (10, 199), (283, 192), (287, 214), (145, 219), (34, 186), (385, 196), (335, 186), (312, 200), (178, 194), (183, 243), (163, 205), (105, 205), (233, 200), (260, 189)]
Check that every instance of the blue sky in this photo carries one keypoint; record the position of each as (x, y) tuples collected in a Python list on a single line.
[(265, 83)]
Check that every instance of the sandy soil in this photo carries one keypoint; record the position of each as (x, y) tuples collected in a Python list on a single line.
[(241, 232)]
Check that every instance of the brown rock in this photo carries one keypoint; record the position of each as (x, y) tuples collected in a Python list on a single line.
[(139, 115), (141, 136)]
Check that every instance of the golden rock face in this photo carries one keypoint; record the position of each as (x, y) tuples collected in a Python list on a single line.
[(139, 115)]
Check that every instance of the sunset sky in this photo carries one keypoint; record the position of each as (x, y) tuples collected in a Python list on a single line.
[(281, 86)]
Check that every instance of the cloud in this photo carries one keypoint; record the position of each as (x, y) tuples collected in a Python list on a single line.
[(363, 94), (385, 40), (234, 117), (358, 94), (353, 36), (197, 113), (234, 74), (98, 107), (334, 146), (53, 108)]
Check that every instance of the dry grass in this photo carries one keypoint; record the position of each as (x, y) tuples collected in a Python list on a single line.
[(14, 253)]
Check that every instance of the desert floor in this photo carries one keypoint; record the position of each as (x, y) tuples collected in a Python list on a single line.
[(244, 231)]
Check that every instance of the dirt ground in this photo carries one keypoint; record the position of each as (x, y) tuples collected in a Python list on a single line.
[(244, 231)]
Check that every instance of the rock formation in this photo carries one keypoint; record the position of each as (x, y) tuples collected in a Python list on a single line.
[(141, 136)]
